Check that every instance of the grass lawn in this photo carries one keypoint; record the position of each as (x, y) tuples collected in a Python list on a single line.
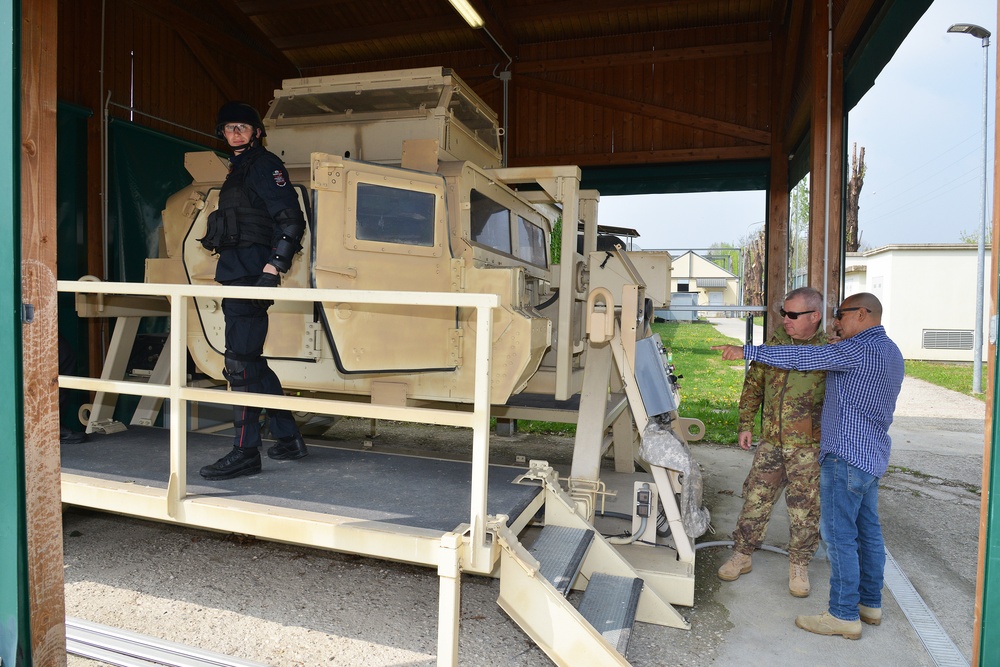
[(957, 377), (710, 387)]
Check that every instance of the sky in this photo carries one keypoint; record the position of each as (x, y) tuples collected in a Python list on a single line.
[(921, 128)]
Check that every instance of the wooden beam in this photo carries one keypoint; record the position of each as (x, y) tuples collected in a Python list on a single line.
[(43, 506), (258, 7), (215, 71), (834, 246), (818, 169), (644, 109), (450, 21), (251, 56), (776, 261), (852, 20), (248, 27), (573, 8), (643, 58), (792, 126), (646, 157)]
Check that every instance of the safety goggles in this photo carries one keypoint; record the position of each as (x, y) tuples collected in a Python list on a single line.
[(792, 315), (838, 313), (230, 128)]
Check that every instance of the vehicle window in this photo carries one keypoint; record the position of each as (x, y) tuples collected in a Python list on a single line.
[(394, 215), (531, 243), (490, 223)]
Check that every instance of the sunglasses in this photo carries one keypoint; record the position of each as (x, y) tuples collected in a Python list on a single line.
[(792, 315), (838, 313), (231, 128)]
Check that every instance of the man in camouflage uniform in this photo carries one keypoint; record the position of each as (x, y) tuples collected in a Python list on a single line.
[(787, 457)]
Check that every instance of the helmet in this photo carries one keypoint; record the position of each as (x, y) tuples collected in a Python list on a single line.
[(237, 112)]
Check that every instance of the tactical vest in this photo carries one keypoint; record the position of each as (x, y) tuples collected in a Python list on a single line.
[(238, 223)]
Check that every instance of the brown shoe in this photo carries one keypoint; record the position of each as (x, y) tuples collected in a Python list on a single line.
[(827, 624), (870, 615), (798, 580), (736, 565)]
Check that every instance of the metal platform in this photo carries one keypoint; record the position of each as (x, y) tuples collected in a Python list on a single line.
[(364, 485)]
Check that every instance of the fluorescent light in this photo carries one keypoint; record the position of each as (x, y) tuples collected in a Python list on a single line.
[(470, 15)]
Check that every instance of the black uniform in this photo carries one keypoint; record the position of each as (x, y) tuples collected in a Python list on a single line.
[(257, 194)]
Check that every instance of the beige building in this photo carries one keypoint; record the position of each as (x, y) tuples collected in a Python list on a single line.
[(928, 292), (712, 284)]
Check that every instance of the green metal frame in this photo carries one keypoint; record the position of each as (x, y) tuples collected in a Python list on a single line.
[(989, 642), (15, 636)]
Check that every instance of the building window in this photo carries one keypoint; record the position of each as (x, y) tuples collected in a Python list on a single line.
[(682, 287), (944, 339)]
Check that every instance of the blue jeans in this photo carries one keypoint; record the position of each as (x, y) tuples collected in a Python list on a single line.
[(850, 528)]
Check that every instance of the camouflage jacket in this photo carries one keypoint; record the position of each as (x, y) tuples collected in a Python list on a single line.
[(792, 400)]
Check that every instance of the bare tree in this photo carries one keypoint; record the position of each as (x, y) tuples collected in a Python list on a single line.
[(853, 233), (753, 269)]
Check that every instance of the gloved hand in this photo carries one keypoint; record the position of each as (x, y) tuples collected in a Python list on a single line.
[(266, 280)]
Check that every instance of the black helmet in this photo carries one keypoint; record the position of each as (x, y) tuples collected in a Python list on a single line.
[(237, 112)]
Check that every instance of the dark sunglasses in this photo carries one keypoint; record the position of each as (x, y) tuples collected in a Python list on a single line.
[(838, 313), (793, 315)]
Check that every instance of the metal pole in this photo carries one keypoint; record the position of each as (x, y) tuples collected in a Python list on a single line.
[(977, 341)]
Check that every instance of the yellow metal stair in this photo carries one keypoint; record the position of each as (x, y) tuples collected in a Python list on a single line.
[(569, 554)]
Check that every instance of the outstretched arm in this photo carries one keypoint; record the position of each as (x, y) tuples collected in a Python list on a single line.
[(730, 352)]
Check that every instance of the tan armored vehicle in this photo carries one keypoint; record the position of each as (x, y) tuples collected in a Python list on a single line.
[(399, 176)]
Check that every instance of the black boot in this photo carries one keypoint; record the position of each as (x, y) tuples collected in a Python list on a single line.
[(237, 462), (288, 448), (69, 437)]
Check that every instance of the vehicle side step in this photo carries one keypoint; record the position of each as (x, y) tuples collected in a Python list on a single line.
[(609, 603), (560, 551)]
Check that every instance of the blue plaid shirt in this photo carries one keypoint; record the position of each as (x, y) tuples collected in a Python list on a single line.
[(864, 375)]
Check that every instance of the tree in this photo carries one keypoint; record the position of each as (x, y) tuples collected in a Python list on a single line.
[(973, 237), (726, 255), (752, 268), (555, 243), (852, 233), (798, 234)]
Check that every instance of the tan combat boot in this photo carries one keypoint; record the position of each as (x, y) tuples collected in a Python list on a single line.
[(870, 615), (828, 624), (736, 565), (798, 580)]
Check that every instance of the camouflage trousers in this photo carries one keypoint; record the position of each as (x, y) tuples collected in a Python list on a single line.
[(775, 468)]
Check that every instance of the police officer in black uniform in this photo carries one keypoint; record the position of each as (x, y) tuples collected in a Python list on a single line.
[(256, 232)]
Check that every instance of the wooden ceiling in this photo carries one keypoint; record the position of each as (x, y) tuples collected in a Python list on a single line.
[(318, 36), (594, 83)]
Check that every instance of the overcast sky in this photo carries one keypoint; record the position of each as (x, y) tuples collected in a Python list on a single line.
[(921, 127)]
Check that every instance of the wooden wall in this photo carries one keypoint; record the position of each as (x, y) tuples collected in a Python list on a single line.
[(166, 62)]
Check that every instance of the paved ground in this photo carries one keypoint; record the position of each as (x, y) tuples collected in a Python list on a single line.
[(285, 605), (929, 499)]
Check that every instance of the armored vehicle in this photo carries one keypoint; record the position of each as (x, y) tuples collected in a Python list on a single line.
[(400, 177)]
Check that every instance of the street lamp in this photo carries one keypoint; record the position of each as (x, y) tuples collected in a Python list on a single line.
[(982, 33)]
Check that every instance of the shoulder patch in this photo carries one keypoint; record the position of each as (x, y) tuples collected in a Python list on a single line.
[(279, 178)]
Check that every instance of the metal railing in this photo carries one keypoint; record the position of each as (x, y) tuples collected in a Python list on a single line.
[(750, 311), (179, 394)]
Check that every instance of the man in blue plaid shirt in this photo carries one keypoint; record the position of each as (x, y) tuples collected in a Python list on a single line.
[(864, 374)]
